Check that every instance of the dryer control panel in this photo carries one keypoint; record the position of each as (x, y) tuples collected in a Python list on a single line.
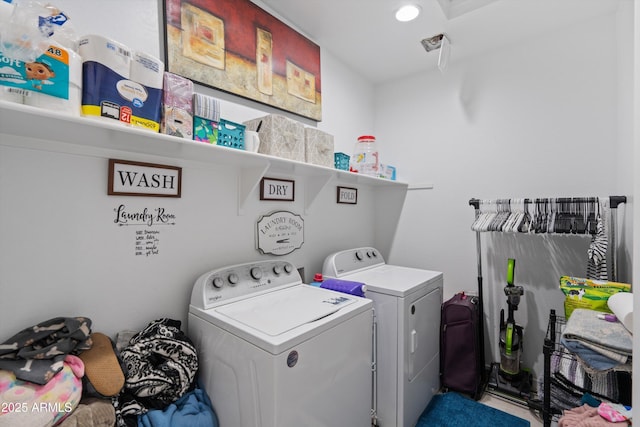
[(350, 261), (227, 284)]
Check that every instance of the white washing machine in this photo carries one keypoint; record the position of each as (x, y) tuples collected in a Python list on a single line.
[(407, 303), (275, 352)]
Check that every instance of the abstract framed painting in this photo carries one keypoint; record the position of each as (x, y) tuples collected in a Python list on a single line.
[(237, 47)]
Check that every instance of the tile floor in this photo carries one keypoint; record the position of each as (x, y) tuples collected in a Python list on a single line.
[(512, 408)]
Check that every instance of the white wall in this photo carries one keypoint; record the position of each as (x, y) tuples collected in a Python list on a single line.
[(540, 118), (626, 117), (63, 254)]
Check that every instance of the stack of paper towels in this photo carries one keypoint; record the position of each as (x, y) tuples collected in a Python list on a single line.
[(621, 304)]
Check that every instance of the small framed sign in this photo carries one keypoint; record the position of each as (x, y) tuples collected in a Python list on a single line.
[(127, 178), (277, 189), (348, 195)]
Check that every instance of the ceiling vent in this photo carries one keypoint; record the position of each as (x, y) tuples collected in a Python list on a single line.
[(454, 8)]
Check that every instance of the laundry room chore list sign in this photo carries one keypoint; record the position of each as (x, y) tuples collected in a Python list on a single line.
[(147, 239), (147, 242)]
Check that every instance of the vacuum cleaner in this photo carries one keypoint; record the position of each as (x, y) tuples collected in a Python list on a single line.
[(507, 378)]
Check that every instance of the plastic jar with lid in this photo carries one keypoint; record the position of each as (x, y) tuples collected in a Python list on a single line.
[(365, 159)]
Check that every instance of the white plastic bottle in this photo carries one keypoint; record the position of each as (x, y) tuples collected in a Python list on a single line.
[(365, 159)]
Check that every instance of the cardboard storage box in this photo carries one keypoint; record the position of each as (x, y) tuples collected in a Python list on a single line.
[(279, 136), (318, 147)]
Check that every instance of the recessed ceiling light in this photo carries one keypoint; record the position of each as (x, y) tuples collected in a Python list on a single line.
[(407, 13)]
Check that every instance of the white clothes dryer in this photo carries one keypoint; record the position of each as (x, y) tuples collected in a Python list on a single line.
[(407, 303), (275, 352)]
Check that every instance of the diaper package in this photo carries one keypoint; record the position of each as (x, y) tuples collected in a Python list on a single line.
[(52, 81), (588, 293)]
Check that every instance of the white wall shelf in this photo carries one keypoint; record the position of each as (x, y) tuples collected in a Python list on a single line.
[(52, 131), (420, 187)]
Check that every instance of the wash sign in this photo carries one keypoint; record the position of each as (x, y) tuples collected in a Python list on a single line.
[(128, 178)]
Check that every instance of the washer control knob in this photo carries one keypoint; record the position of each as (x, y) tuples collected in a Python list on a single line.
[(233, 279), (277, 270), (256, 273), (374, 254), (217, 282), (288, 268), (359, 255), (369, 254)]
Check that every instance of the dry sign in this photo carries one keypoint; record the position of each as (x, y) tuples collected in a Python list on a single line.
[(277, 189), (128, 178)]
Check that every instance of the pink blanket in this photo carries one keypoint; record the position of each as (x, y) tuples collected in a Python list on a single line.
[(586, 416), (28, 404)]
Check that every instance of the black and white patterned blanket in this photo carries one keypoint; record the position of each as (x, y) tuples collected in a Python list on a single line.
[(162, 363)]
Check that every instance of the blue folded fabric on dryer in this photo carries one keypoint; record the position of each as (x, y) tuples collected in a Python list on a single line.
[(345, 286)]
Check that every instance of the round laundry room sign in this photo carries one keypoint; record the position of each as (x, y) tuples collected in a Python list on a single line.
[(280, 233)]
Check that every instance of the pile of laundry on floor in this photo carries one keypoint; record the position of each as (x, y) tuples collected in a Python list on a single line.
[(591, 371), (596, 414), (60, 373)]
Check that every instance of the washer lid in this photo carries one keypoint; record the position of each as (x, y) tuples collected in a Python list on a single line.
[(278, 312), (395, 280)]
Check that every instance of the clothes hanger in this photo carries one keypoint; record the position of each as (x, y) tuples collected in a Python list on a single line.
[(580, 216), (564, 216), (543, 215), (512, 221), (499, 218), (527, 220), (592, 221), (557, 221), (486, 214)]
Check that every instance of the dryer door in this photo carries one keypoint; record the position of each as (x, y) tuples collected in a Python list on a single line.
[(423, 332), (421, 379)]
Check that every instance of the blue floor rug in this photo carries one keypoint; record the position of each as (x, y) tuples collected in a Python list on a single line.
[(455, 410)]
